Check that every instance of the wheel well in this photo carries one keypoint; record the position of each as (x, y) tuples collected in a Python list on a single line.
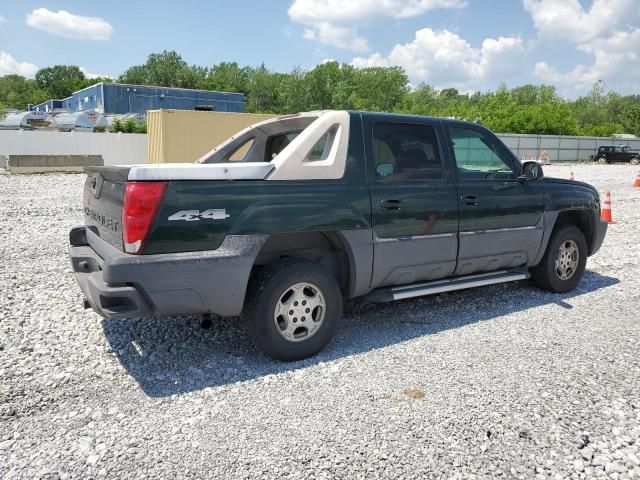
[(323, 248), (579, 218)]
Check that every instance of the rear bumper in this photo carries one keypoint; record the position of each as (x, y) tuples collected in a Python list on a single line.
[(598, 235), (117, 284)]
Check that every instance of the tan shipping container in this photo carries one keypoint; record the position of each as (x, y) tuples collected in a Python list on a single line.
[(183, 136)]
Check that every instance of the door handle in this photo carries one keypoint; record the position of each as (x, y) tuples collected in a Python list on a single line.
[(391, 204), (469, 200)]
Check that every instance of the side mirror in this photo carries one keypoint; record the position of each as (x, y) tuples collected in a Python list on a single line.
[(531, 171)]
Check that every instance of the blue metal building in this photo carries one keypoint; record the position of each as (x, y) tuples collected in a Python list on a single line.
[(48, 106), (120, 99)]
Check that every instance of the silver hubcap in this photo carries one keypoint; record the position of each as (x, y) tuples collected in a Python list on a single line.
[(300, 312), (567, 260)]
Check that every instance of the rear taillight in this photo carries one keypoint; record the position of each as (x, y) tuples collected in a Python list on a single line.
[(139, 208)]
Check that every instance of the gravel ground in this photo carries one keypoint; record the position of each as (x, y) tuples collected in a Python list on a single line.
[(499, 381)]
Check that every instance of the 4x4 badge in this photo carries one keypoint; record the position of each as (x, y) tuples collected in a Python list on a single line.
[(194, 215)]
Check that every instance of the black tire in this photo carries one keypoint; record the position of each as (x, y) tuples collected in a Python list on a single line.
[(635, 161), (546, 276), (264, 292), (602, 160)]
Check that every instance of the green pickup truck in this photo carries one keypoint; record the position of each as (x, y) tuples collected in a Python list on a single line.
[(287, 218)]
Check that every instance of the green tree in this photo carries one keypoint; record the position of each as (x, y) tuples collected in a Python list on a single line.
[(136, 75), (17, 92), (226, 77), (422, 101), (321, 84), (379, 89), (291, 92), (262, 91), (166, 69), (116, 125), (524, 109), (631, 119), (590, 110), (60, 80)]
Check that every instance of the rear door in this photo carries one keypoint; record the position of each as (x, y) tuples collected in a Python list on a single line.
[(615, 153), (500, 216), (414, 201)]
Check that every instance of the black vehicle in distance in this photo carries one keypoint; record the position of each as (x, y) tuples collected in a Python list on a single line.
[(617, 153)]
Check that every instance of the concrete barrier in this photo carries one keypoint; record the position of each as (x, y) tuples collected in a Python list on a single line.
[(51, 163)]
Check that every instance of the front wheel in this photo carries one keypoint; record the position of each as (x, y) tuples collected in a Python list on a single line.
[(293, 309), (563, 264)]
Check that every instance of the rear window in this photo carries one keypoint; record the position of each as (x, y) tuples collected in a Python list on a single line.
[(406, 152), (277, 143)]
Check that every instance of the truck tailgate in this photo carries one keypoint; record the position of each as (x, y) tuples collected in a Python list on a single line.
[(103, 194)]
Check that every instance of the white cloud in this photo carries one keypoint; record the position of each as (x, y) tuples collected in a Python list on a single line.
[(332, 22), (9, 66), (444, 59), (569, 21), (617, 62), (65, 24), (607, 30), (91, 76), (336, 36)]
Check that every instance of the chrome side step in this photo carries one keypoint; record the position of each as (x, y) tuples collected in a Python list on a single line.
[(445, 285)]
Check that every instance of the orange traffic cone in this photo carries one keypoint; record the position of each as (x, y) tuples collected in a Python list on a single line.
[(637, 182), (606, 209), (572, 177)]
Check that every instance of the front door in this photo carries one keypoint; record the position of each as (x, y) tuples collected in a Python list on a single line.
[(500, 215), (414, 202)]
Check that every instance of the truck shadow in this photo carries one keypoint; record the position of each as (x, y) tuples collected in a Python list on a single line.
[(174, 355)]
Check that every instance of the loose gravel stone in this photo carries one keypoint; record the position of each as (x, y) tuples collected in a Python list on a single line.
[(503, 381)]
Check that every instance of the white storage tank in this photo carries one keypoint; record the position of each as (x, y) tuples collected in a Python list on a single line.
[(26, 121), (79, 121)]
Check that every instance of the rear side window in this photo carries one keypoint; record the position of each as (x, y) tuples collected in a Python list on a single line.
[(406, 152), (240, 153), (321, 149)]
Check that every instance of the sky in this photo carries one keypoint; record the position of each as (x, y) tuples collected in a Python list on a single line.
[(467, 44)]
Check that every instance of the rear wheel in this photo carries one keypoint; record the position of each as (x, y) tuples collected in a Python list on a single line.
[(293, 309), (602, 160), (563, 264), (635, 161)]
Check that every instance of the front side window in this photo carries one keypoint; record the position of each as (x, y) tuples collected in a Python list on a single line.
[(478, 156), (406, 152)]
